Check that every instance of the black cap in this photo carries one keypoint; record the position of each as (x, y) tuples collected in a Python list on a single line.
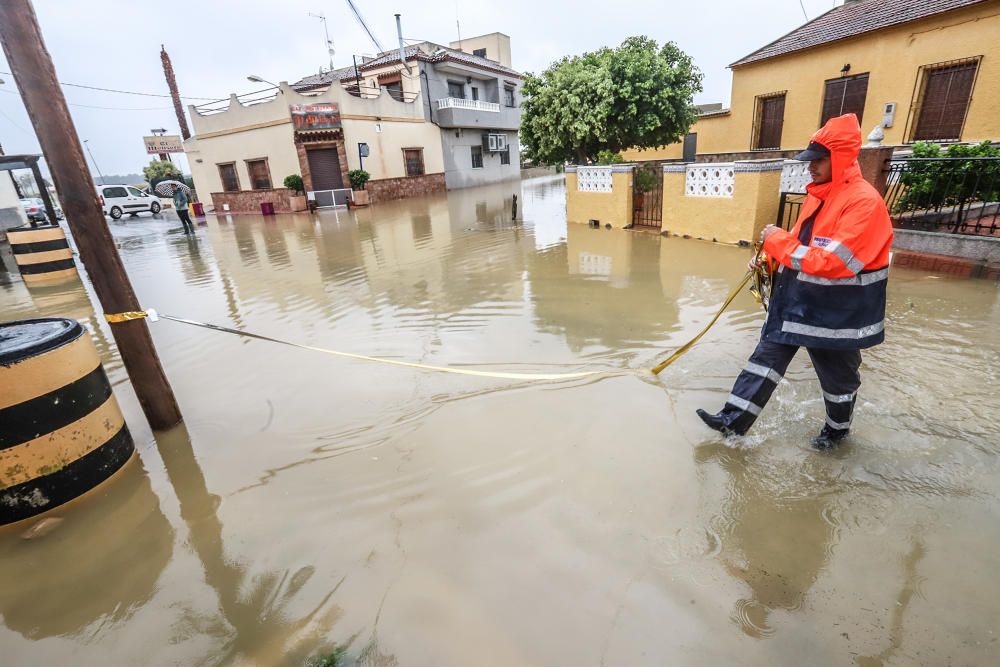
[(813, 151)]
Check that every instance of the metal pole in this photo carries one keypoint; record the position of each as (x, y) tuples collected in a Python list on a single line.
[(361, 158), (43, 192), (86, 142), (357, 75), (399, 32), (35, 75)]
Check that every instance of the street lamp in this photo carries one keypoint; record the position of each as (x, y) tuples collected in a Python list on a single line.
[(86, 142), (257, 79)]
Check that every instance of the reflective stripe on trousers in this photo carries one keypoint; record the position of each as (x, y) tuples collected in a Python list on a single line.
[(838, 376)]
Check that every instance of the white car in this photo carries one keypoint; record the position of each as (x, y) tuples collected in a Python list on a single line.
[(116, 200)]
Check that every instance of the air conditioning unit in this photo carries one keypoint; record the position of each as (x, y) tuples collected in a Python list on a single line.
[(494, 143)]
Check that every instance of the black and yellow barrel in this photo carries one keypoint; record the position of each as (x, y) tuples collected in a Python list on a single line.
[(41, 253), (61, 430)]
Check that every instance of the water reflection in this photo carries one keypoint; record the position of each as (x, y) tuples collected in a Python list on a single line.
[(774, 537), (262, 628), (100, 564)]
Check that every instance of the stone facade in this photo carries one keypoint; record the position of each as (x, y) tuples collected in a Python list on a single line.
[(387, 189), (249, 201), (953, 266)]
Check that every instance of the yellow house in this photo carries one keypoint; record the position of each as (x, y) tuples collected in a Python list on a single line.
[(920, 70)]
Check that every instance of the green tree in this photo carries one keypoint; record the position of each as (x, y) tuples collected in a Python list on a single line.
[(158, 170), (637, 95)]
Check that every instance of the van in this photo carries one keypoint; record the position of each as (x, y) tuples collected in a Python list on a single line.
[(116, 200)]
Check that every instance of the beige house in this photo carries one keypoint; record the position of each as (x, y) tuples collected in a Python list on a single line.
[(436, 118)]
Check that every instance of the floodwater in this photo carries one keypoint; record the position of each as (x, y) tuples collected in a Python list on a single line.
[(419, 518)]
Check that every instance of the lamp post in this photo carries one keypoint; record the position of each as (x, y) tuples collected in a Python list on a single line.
[(86, 142), (159, 133), (257, 79), (329, 44)]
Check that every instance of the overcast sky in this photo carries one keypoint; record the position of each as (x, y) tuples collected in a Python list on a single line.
[(215, 44)]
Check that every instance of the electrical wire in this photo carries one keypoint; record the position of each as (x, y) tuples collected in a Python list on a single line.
[(91, 106), (123, 92)]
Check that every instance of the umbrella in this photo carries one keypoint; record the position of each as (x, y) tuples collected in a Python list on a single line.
[(166, 188)]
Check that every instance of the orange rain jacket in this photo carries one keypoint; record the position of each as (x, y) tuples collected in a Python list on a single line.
[(830, 291)]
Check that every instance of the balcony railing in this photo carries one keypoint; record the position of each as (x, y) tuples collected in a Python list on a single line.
[(472, 105)]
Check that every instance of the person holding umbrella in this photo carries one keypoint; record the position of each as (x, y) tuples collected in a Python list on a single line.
[(181, 202)]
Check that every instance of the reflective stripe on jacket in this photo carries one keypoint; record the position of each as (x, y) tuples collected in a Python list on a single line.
[(830, 292)]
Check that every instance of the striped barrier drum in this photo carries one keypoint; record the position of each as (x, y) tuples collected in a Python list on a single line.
[(41, 253), (61, 430)]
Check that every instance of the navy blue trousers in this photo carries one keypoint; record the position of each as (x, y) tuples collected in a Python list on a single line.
[(838, 377)]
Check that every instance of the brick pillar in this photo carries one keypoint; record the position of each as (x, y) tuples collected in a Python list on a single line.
[(874, 165)]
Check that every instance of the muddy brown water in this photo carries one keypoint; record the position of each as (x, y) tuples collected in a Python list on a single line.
[(427, 519)]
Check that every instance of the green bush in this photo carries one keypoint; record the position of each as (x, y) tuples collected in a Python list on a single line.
[(294, 183), (645, 180), (609, 157), (933, 184), (358, 178)]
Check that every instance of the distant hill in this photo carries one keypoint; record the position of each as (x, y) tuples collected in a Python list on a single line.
[(118, 179)]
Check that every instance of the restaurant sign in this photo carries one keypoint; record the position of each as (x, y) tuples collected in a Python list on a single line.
[(168, 143), (315, 116)]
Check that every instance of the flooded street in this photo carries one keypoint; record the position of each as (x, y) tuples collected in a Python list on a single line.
[(422, 518)]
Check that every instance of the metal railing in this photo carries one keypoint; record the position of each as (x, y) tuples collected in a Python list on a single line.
[(473, 105), (330, 198), (957, 195), (788, 209)]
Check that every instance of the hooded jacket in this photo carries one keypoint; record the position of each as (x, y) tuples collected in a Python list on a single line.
[(830, 290)]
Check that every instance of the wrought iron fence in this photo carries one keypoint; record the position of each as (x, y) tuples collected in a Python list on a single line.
[(953, 195), (788, 209)]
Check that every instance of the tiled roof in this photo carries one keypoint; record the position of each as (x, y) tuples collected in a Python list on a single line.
[(854, 17), (440, 54)]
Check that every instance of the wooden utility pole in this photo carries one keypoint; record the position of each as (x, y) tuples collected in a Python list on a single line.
[(168, 72), (35, 76)]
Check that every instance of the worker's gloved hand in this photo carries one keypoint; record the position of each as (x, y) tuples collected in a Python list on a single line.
[(755, 262), (767, 231)]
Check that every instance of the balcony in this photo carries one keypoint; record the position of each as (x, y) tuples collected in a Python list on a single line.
[(473, 105), (457, 112)]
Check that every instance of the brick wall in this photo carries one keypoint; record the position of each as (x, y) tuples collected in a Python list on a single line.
[(249, 201), (386, 189), (953, 266)]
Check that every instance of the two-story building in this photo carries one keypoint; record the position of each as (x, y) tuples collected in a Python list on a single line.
[(436, 118), (926, 70)]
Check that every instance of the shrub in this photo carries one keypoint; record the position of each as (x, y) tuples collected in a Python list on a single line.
[(609, 157), (645, 180), (294, 183), (934, 184), (358, 178)]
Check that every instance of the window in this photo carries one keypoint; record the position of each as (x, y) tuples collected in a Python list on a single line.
[(136, 192), (456, 90), (475, 93), (768, 119), (508, 96), (414, 160), (844, 95), (479, 52), (113, 193), (395, 90), (260, 177), (477, 157), (943, 101), (230, 181), (505, 156)]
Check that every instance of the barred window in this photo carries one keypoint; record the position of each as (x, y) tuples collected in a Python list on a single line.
[(845, 95), (230, 181), (414, 159), (477, 157), (260, 175), (942, 100)]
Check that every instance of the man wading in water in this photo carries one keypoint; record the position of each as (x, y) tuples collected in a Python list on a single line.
[(829, 294)]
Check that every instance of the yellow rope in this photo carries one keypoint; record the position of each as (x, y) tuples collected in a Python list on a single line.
[(115, 318)]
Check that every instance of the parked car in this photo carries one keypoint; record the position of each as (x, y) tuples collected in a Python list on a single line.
[(117, 200), (35, 209)]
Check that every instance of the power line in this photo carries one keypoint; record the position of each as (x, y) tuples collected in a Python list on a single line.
[(123, 92), (91, 106)]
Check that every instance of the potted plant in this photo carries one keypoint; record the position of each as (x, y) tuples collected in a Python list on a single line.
[(358, 178), (297, 200), (645, 180)]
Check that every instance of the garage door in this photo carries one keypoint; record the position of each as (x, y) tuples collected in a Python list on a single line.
[(324, 165)]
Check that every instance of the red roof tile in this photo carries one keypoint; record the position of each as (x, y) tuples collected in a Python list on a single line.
[(854, 17)]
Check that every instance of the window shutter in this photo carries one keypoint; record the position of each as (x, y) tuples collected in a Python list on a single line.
[(946, 98), (772, 117)]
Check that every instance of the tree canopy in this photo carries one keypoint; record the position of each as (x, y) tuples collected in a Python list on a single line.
[(637, 95), (158, 170)]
